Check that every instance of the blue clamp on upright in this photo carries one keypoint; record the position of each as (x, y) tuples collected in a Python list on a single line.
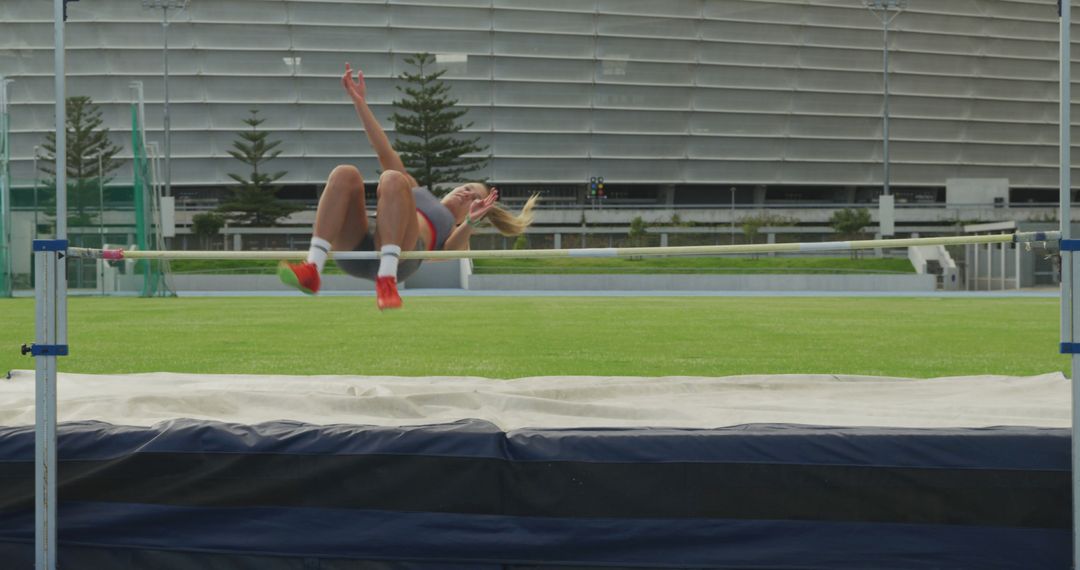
[(50, 245), (45, 349), (1070, 245)]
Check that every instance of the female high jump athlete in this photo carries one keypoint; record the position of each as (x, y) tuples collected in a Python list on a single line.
[(408, 216)]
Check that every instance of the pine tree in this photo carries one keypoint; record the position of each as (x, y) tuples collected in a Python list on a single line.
[(849, 223), (254, 202), (437, 157), (88, 147), (207, 225)]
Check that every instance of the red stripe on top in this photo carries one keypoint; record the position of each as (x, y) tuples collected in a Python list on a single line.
[(431, 226)]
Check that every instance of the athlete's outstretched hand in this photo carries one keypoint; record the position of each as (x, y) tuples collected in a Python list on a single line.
[(479, 208), (356, 88)]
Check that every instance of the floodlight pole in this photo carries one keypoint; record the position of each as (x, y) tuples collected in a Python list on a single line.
[(732, 214), (37, 150), (165, 5), (101, 214), (168, 123), (881, 8)]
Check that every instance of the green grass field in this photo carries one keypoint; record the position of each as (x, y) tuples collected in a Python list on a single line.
[(507, 337)]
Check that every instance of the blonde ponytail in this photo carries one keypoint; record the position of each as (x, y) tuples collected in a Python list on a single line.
[(510, 225)]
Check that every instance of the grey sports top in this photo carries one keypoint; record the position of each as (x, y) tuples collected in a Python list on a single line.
[(438, 217)]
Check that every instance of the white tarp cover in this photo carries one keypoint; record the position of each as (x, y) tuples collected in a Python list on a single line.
[(551, 401)]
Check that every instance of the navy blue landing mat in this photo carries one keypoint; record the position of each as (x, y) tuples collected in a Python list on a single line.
[(200, 494)]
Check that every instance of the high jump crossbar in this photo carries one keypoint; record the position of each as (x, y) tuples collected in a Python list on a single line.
[(699, 250)]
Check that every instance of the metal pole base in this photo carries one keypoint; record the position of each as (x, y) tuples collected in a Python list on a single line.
[(51, 342)]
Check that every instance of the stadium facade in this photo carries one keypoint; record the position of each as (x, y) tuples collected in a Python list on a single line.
[(674, 100)]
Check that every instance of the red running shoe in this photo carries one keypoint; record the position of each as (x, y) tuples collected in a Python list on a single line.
[(303, 276), (386, 294)]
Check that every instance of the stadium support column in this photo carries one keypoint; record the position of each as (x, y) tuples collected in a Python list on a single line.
[(1070, 321)]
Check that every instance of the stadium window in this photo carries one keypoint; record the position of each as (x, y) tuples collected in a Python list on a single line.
[(292, 64), (613, 66), (453, 63)]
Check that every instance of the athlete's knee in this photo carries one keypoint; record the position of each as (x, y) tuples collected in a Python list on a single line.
[(346, 175), (392, 182)]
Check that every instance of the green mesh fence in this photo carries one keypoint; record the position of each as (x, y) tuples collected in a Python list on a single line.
[(120, 214), (147, 232), (107, 219)]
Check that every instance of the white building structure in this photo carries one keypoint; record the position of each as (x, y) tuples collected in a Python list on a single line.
[(672, 101)]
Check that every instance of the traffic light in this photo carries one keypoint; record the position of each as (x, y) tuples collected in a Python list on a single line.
[(600, 186), (593, 187)]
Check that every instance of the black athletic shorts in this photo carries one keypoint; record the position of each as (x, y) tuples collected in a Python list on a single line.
[(369, 268)]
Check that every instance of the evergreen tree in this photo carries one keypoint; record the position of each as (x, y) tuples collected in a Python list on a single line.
[(638, 235), (207, 225), (437, 156), (88, 147), (254, 202), (849, 223)]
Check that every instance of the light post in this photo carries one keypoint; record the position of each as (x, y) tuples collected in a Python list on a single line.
[(36, 151), (886, 11), (732, 215), (165, 5), (101, 218)]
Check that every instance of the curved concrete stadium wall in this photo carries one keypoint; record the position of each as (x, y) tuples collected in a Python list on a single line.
[(678, 91)]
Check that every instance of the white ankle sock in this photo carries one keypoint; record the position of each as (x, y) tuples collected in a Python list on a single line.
[(320, 250), (388, 260)]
